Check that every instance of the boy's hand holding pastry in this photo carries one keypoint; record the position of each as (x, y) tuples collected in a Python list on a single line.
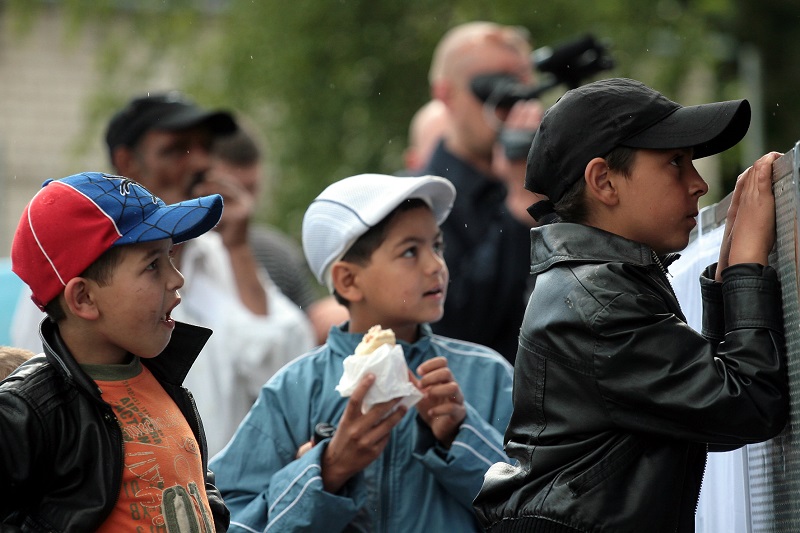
[(360, 437), (378, 354)]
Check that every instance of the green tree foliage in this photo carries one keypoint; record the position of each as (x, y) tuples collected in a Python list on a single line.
[(333, 83), (771, 26)]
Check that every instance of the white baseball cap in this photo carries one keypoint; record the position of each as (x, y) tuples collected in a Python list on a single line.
[(345, 210)]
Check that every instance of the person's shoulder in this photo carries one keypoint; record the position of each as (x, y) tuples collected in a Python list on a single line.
[(38, 383)]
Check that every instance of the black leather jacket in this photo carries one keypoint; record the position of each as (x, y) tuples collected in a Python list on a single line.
[(617, 400), (61, 461)]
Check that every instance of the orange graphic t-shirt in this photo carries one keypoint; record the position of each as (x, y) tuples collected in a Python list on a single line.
[(163, 483)]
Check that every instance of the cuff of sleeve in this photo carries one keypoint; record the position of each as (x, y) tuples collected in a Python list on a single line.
[(751, 295), (425, 442), (713, 327), (353, 489)]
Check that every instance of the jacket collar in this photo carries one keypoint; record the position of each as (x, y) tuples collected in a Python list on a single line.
[(170, 366), (567, 242)]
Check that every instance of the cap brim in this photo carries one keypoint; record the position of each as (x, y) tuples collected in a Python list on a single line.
[(708, 128), (348, 208), (435, 191), (219, 122), (180, 222)]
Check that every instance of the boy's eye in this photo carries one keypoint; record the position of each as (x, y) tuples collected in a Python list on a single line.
[(410, 252), (438, 247), (153, 265)]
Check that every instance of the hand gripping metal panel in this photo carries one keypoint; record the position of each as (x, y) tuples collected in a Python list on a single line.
[(774, 466)]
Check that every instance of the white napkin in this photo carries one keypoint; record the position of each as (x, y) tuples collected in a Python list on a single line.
[(388, 363)]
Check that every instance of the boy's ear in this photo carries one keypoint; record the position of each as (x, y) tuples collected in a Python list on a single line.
[(600, 182), (79, 299), (344, 276)]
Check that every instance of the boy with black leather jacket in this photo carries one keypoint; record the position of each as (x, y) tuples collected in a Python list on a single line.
[(97, 433), (616, 400)]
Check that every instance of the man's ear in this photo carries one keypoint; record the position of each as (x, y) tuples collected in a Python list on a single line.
[(124, 161), (345, 280), (442, 90), (600, 182), (79, 299)]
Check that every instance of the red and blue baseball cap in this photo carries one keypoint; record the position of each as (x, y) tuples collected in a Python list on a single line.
[(72, 221)]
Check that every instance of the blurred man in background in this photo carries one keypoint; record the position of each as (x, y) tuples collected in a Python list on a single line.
[(238, 157), (424, 133), (487, 235)]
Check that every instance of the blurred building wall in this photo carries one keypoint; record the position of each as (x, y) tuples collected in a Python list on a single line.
[(47, 81)]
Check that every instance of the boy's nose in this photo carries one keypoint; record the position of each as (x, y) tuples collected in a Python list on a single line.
[(700, 187), (435, 262), (176, 280)]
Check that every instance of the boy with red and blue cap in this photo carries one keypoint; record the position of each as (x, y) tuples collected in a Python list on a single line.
[(97, 432)]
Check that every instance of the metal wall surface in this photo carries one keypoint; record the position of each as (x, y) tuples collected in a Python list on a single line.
[(773, 467)]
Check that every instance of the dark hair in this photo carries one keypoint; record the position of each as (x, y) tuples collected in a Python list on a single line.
[(361, 251), (238, 149), (100, 271), (572, 206)]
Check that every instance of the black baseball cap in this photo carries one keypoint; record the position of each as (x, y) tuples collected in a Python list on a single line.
[(168, 111), (591, 120)]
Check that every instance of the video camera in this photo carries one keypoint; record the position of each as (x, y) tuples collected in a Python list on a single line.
[(569, 63)]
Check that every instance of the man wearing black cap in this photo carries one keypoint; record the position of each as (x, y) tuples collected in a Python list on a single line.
[(616, 400), (163, 141)]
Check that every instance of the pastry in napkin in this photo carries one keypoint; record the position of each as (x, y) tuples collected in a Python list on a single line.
[(378, 353)]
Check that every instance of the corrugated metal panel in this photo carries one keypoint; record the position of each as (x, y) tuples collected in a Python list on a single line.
[(774, 466)]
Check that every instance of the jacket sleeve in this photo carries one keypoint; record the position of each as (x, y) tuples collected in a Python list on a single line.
[(656, 374), (266, 488), (220, 512), (479, 442), (20, 439), (478, 445), (713, 323)]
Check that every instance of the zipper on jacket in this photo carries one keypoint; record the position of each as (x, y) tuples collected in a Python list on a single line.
[(112, 420), (664, 273), (702, 477), (199, 432), (385, 493)]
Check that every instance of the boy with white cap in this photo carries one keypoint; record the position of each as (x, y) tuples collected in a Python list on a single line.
[(375, 241), (97, 433), (616, 400)]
